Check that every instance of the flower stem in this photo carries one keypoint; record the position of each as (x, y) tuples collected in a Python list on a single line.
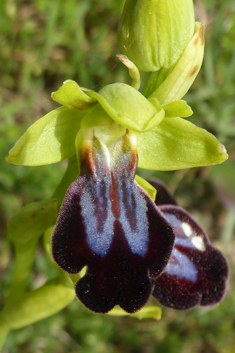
[(3, 333), (23, 263)]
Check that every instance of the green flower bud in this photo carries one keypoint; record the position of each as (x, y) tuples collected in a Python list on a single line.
[(154, 33)]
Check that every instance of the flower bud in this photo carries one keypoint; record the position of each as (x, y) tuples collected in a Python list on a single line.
[(154, 33)]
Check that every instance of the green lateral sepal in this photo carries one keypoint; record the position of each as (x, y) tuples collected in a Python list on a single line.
[(49, 140), (178, 144)]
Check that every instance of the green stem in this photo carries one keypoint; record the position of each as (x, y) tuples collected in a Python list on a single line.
[(155, 80), (3, 333), (25, 254)]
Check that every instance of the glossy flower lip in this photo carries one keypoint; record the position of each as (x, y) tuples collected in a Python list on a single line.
[(196, 273), (109, 224)]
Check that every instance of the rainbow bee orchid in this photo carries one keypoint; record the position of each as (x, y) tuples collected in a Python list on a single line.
[(131, 246)]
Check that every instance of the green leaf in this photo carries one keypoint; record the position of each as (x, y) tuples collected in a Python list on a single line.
[(128, 107), (39, 303), (32, 220), (151, 191), (71, 95), (148, 312), (177, 109), (49, 140), (24, 229), (177, 144), (180, 79)]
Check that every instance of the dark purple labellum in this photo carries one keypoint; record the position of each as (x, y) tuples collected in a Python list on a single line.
[(196, 272), (109, 224)]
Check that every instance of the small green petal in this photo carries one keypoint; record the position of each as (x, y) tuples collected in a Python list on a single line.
[(133, 70), (32, 220), (151, 191), (49, 140), (180, 79), (177, 144), (177, 109), (148, 312), (71, 95), (128, 107)]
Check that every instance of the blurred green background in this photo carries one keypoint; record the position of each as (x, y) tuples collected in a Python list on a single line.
[(43, 43)]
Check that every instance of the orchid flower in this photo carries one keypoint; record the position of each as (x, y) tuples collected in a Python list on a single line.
[(108, 222), (196, 273)]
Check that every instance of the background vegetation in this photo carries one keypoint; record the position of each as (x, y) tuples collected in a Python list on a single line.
[(42, 43)]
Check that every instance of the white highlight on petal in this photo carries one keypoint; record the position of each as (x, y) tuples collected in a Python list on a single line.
[(198, 242), (182, 268), (187, 229)]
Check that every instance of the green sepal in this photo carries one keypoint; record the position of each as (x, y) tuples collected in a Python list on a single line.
[(148, 188), (71, 95), (128, 107), (179, 79), (177, 144), (40, 303), (49, 140), (177, 109), (148, 312), (32, 220)]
